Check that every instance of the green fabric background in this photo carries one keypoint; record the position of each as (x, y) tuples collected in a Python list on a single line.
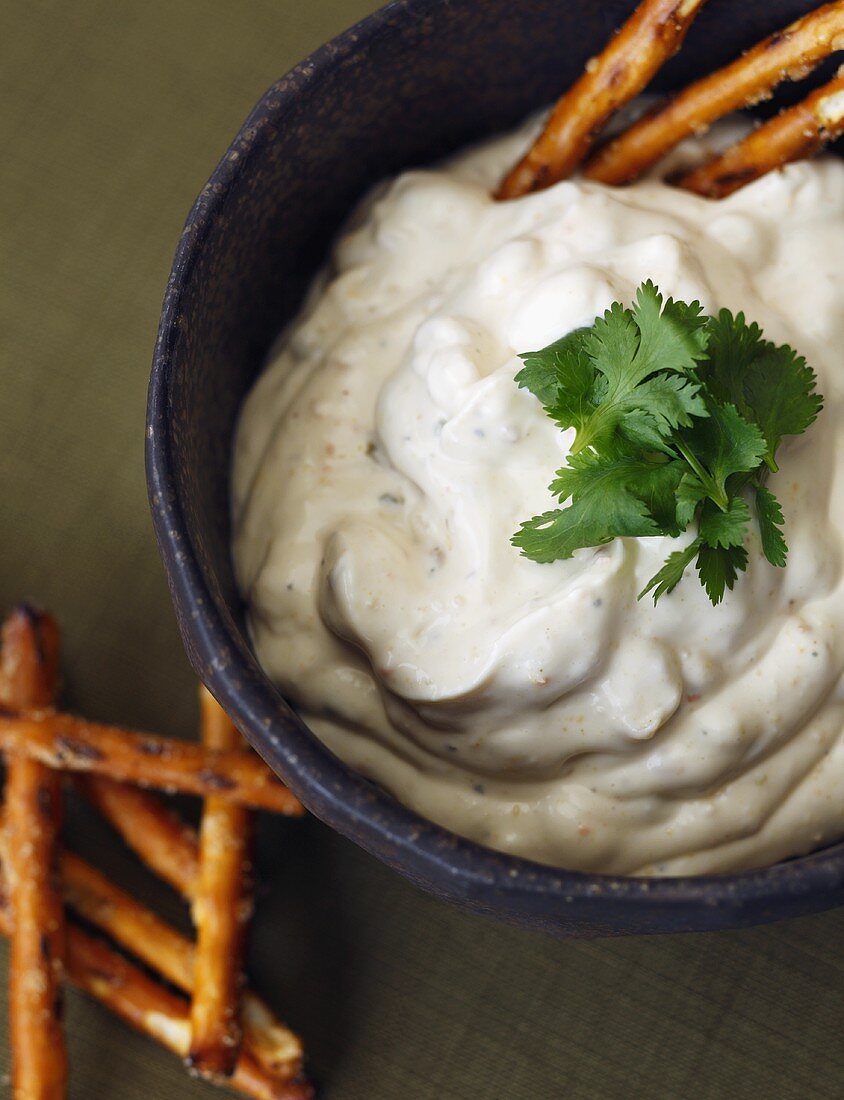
[(113, 115)]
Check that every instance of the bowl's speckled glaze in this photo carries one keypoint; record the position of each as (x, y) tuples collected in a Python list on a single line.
[(411, 83)]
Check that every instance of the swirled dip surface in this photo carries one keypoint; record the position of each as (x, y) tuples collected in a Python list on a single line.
[(386, 455)]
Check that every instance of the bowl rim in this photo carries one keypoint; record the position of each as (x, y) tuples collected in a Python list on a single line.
[(451, 865)]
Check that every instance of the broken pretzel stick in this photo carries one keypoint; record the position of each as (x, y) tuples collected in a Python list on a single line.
[(29, 678), (789, 54), (794, 134), (68, 743), (652, 34), (221, 910), (171, 850)]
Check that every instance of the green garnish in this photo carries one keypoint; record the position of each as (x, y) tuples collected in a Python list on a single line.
[(677, 419)]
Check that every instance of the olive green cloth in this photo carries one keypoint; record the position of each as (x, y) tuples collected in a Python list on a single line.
[(112, 115)]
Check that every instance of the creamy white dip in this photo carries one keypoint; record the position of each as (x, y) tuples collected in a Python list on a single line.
[(386, 455)]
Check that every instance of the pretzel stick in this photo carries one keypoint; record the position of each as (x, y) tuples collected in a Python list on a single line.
[(221, 909), (36, 969), (150, 1008), (165, 843), (65, 742), (789, 54), (793, 135), (95, 898), (146, 936), (145, 1005), (29, 677), (171, 850), (29, 659), (652, 34)]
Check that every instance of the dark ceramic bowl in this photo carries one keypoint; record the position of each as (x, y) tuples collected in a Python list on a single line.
[(411, 83)]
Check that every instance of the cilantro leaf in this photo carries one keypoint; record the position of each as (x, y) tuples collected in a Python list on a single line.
[(732, 346), (718, 567), (628, 377), (724, 528), (667, 579), (719, 446), (561, 375), (671, 337), (770, 517), (664, 402), (677, 419), (780, 390), (627, 347), (718, 531), (690, 492), (770, 385), (559, 533), (607, 482)]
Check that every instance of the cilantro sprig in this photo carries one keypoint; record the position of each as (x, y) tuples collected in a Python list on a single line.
[(677, 419)]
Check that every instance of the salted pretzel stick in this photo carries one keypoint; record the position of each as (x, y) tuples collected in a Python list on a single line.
[(151, 1009), (794, 134), (165, 843), (68, 743), (652, 34), (222, 906), (95, 898), (145, 1005), (105, 906), (789, 54), (29, 678), (146, 936), (29, 659), (171, 850), (36, 968)]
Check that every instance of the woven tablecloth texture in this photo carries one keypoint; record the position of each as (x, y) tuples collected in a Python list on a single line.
[(112, 116)]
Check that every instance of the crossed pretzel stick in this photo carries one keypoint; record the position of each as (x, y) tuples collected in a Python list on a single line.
[(222, 1029)]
